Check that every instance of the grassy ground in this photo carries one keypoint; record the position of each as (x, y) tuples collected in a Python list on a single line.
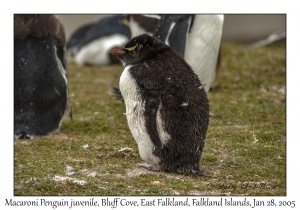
[(95, 154)]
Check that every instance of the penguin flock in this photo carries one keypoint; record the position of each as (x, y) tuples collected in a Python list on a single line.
[(170, 63)]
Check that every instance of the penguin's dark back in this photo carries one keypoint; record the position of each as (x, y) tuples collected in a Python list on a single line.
[(183, 109), (170, 102), (78, 35), (40, 75), (182, 94), (39, 87), (165, 65), (41, 26)]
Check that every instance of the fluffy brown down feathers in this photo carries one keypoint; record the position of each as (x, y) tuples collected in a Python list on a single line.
[(39, 26)]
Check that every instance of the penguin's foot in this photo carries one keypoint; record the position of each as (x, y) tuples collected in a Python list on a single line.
[(211, 114), (153, 167), (193, 172), (197, 173)]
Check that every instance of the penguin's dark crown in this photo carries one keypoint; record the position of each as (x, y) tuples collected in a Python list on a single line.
[(140, 48), (145, 40)]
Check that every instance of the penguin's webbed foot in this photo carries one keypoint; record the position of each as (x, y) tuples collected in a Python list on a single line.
[(153, 167)]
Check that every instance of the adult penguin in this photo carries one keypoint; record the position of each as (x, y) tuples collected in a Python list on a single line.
[(167, 108), (41, 100), (107, 33), (197, 39), (75, 39)]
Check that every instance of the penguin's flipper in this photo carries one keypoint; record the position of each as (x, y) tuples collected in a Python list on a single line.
[(173, 30), (177, 38), (152, 102), (116, 93)]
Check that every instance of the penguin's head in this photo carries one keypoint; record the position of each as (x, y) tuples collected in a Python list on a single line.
[(139, 49)]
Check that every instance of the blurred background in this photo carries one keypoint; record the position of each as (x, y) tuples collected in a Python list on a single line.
[(239, 28)]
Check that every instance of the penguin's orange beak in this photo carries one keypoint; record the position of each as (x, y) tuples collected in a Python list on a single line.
[(125, 22), (116, 51)]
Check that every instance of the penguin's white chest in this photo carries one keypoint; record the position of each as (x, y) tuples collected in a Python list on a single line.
[(202, 47), (135, 109)]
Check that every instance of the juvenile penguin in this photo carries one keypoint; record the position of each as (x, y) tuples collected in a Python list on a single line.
[(196, 38), (41, 100), (167, 108)]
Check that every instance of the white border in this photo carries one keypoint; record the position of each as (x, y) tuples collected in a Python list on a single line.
[(152, 7)]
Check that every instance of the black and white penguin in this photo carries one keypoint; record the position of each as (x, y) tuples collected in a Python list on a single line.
[(167, 108), (196, 38), (41, 100), (75, 39), (107, 33), (138, 24)]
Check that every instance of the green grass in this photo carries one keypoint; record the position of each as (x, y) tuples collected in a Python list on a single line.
[(244, 154)]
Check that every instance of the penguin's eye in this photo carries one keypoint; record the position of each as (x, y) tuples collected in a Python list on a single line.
[(133, 53)]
